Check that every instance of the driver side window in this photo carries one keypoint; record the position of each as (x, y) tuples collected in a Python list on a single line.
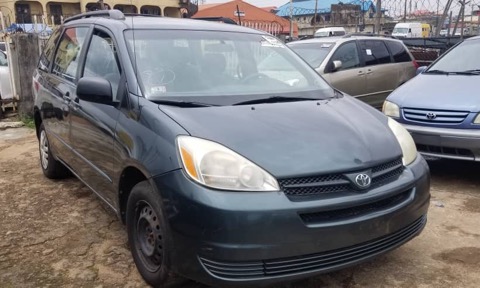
[(102, 60), (348, 54)]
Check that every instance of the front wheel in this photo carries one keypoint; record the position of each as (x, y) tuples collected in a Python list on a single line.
[(147, 234)]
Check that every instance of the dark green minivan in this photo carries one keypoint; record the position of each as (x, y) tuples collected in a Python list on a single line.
[(226, 169)]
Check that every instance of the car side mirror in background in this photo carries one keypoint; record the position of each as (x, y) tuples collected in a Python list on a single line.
[(337, 64), (97, 90), (421, 69)]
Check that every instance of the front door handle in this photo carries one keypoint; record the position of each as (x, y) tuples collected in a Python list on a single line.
[(360, 73), (369, 71)]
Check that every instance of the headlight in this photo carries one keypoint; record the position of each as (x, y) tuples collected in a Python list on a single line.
[(216, 166), (477, 119), (391, 109), (405, 140)]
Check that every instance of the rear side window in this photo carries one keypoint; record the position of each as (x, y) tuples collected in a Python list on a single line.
[(375, 52), (398, 51), (48, 51), (68, 52)]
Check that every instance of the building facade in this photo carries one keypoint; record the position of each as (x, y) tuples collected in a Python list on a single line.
[(353, 15), (53, 12)]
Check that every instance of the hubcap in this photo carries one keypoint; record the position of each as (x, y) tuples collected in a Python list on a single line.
[(44, 149), (149, 239)]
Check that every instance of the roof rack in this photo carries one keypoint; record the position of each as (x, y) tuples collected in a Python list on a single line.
[(112, 14), (368, 35)]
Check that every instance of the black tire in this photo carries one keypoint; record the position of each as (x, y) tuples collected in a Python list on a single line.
[(51, 168), (148, 235)]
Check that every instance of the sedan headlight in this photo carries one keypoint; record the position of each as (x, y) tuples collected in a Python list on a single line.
[(391, 109), (477, 119), (405, 140), (216, 166)]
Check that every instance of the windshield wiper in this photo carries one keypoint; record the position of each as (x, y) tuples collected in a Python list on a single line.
[(441, 72), (274, 99), (468, 72), (182, 103)]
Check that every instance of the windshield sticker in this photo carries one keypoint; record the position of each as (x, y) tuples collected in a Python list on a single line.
[(369, 52), (158, 90), (269, 41), (182, 43)]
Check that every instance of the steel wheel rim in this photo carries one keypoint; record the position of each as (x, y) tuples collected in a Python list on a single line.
[(44, 150), (149, 240)]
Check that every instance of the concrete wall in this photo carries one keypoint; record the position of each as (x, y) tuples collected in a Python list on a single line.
[(24, 51)]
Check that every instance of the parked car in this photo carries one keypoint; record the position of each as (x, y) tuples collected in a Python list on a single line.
[(366, 67), (408, 30), (222, 173), (5, 83), (330, 32), (440, 106)]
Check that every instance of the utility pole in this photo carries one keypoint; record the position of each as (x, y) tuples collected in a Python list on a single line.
[(449, 25), (378, 16), (101, 5), (444, 17), (291, 20), (315, 18), (436, 17), (405, 12)]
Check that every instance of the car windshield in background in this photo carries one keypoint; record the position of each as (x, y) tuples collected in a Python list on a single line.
[(461, 59), (173, 63), (313, 53), (400, 30)]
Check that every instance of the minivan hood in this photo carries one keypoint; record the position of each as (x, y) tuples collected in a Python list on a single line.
[(296, 138), (439, 92)]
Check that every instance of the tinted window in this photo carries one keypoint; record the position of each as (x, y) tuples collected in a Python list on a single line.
[(102, 60), (398, 51), (68, 52), (348, 54), (375, 52), (48, 50)]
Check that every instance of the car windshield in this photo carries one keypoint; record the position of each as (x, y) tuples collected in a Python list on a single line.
[(400, 30), (313, 53), (462, 58), (183, 64), (322, 34)]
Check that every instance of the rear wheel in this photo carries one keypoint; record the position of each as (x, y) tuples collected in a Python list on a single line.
[(147, 234), (51, 168)]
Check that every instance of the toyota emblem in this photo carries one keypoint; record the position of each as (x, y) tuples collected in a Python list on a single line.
[(363, 180), (431, 116)]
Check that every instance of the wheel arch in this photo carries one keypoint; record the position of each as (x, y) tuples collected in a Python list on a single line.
[(37, 118), (130, 176)]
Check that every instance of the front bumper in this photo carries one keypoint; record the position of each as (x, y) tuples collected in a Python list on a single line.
[(461, 144), (260, 238)]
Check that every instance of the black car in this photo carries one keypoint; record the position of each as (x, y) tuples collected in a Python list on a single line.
[(227, 166)]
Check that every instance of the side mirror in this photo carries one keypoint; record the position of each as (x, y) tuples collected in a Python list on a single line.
[(97, 90), (421, 69), (336, 65)]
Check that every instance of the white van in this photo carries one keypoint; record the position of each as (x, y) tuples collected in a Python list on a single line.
[(330, 31), (408, 30)]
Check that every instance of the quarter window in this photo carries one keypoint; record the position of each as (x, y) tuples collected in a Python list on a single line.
[(102, 60), (375, 52), (348, 54), (398, 51), (68, 52)]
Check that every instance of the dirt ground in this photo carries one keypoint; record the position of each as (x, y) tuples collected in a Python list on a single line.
[(58, 234)]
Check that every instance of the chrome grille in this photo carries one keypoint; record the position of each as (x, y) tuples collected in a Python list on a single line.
[(435, 116)]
